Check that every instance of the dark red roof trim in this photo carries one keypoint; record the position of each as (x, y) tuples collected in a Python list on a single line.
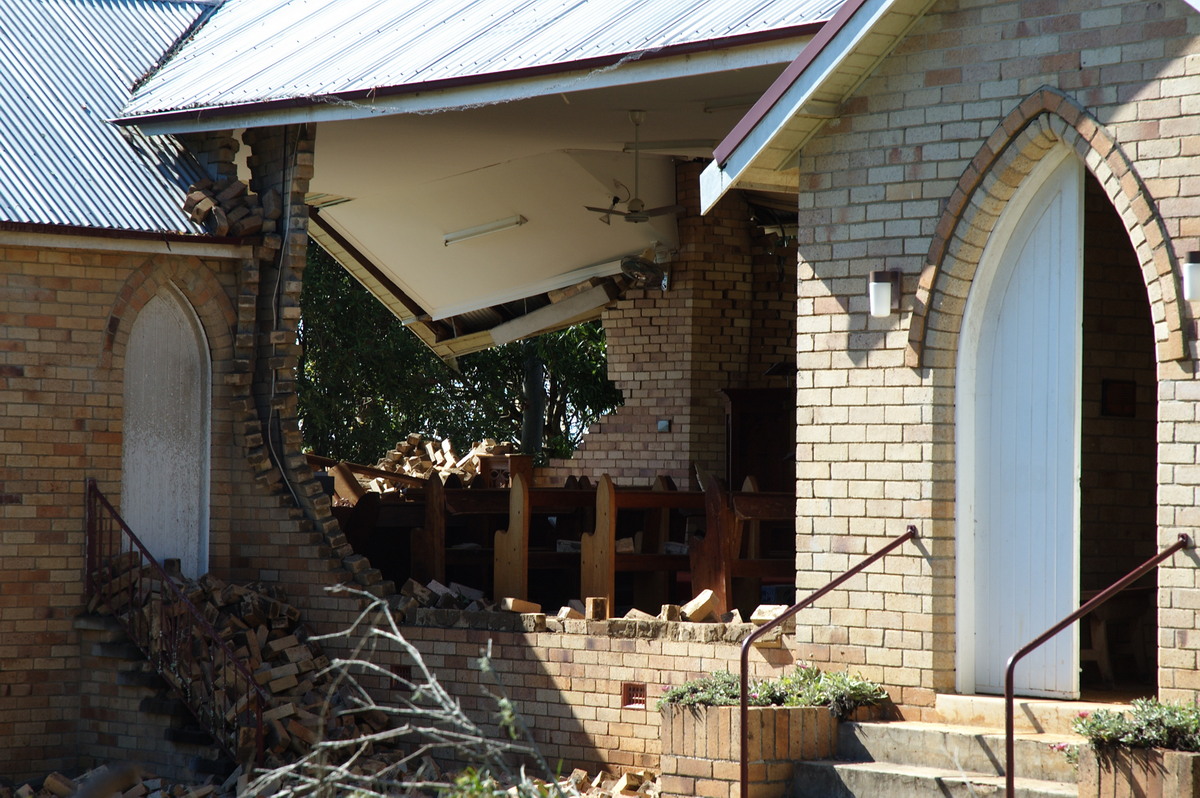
[(196, 114), (786, 80)]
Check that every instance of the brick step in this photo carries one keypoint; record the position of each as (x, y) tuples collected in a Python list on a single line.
[(141, 677), (191, 735), (829, 779), (956, 749), (1030, 715), (164, 704), (100, 628)]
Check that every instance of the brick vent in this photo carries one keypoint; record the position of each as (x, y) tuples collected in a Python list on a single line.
[(633, 695)]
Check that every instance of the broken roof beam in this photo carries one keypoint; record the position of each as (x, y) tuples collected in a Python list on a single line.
[(571, 310)]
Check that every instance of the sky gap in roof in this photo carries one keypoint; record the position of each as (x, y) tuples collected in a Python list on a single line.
[(254, 51)]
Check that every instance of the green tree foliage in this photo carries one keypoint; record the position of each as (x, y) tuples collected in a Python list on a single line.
[(366, 382)]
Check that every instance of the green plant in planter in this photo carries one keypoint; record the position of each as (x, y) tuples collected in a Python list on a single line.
[(1150, 723), (842, 692), (807, 686)]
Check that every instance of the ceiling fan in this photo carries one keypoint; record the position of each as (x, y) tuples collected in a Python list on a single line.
[(635, 209)]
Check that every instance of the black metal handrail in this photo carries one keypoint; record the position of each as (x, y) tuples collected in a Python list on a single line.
[(744, 705), (1100, 598), (166, 626)]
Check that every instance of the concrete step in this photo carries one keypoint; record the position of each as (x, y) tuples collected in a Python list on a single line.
[(956, 749), (1030, 715), (882, 780)]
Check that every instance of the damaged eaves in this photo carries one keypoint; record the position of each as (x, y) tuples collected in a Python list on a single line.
[(479, 329)]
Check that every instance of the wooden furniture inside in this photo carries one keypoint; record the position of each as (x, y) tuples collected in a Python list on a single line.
[(538, 519), (656, 513), (454, 541), (761, 437), (732, 546)]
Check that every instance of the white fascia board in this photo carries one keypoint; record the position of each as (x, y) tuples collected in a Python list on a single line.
[(717, 179), (606, 269), (626, 72)]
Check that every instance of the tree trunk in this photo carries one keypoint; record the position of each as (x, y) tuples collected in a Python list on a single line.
[(533, 392)]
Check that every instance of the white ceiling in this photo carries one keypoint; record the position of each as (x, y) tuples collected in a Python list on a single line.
[(411, 178)]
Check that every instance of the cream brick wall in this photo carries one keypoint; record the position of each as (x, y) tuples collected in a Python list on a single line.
[(899, 181), (61, 388), (567, 683), (723, 321)]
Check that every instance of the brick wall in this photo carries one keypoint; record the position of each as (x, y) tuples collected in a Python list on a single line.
[(67, 315), (911, 176), (725, 318), (64, 314), (566, 682)]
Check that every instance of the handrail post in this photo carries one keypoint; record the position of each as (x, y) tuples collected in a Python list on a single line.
[(743, 704), (1096, 601)]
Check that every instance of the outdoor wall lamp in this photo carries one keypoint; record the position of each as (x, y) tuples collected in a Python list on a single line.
[(483, 230), (1191, 277), (883, 291)]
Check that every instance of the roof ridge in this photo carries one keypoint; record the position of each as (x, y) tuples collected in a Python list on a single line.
[(201, 19)]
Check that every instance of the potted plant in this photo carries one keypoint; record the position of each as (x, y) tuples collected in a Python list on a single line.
[(791, 718), (1150, 752)]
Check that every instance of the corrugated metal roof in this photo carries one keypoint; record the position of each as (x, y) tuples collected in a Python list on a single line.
[(67, 68), (262, 51)]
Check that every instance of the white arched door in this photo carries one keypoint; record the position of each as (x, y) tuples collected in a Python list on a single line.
[(1018, 440), (165, 454)]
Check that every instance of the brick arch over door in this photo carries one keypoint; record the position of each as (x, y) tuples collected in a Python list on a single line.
[(1028, 133), (192, 279)]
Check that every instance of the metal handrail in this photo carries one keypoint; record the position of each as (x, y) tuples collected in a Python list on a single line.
[(165, 630), (1100, 598), (744, 705)]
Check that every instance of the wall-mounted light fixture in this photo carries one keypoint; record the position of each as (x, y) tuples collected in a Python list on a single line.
[(883, 291), (1191, 277), (483, 229)]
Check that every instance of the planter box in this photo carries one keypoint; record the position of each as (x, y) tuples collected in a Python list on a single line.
[(1138, 773), (700, 755)]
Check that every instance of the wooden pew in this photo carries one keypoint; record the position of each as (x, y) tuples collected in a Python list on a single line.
[(599, 561), (717, 558), (512, 560), (429, 546)]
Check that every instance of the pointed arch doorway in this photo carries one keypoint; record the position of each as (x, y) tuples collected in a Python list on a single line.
[(166, 424), (1056, 439)]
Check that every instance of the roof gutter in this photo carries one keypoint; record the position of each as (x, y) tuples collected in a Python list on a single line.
[(210, 114), (27, 234)]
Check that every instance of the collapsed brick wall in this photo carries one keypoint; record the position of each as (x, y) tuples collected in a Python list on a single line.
[(726, 317)]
